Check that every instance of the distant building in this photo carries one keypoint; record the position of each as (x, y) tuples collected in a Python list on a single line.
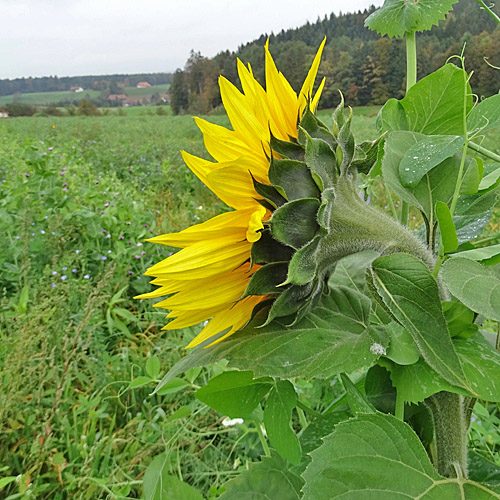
[(117, 97), (76, 89), (143, 85), (4, 114), (165, 98)]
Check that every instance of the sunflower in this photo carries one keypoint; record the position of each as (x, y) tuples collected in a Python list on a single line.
[(206, 279)]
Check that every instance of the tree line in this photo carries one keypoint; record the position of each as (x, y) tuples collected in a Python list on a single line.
[(90, 82), (368, 69)]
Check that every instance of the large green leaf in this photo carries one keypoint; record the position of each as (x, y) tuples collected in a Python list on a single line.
[(489, 256), (411, 294), (378, 457), (425, 155), (485, 115), (396, 17), (470, 226), (277, 416), (481, 364), (437, 185), (266, 480), (395, 147), (336, 337), (474, 285), (234, 393), (159, 485), (430, 106)]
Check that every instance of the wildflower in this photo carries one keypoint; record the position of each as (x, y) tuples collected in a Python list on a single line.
[(64, 268), (210, 274), (77, 251), (74, 270), (63, 277), (86, 277), (51, 148), (103, 257), (121, 237), (42, 231), (26, 175), (54, 273), (52, 285)]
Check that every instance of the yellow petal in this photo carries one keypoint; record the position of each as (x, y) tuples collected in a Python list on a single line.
[(235, 184), (209, 293), (212, 257), (282, 100), (307, 88), (233, 223), (190, 318), (314, 103), (233, 319), (255, 224), (223, 144), (244, 123)]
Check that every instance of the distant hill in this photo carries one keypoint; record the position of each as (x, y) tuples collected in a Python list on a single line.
[(367, 68), (88, 83)]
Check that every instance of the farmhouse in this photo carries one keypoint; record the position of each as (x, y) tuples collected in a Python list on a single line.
[(117, 97), (76, 89), (143, 85), (4, 114)]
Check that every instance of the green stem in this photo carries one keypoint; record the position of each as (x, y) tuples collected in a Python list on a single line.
[(485, 152), (263, 440), (464, 151), (308, 409), (400, 406), (390, 202), (411, 79), (302, 418), (451, 415), (482, 241), (411, 60), (486, 8)]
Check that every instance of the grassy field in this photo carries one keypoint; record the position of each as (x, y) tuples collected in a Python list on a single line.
[(45, 98), (78, 198)]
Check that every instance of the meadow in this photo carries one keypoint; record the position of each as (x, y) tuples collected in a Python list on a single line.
[(79, 356)]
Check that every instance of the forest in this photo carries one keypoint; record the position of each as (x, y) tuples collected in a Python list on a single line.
[(364, 66)]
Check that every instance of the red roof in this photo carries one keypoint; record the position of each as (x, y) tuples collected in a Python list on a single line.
[(144, 84)]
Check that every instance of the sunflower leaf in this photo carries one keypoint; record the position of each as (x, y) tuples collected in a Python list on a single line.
[(334, 337), (396, 17), (378, 456)]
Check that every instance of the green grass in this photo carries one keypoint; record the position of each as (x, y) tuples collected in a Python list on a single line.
[(45, 98)]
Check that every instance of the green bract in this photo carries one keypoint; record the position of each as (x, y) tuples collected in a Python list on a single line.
[(318, 216)]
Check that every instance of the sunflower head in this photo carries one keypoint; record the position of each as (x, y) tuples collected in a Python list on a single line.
[(280, 170), (310, 178)]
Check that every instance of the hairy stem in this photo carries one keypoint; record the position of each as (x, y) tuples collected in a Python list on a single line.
[(451, 415)]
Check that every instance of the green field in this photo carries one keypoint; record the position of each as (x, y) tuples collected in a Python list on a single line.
[(78, 198), (45, 98)]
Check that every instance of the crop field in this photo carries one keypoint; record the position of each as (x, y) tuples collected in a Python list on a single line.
[(79, 357), (46, 98)]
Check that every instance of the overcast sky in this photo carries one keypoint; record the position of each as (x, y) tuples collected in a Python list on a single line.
[(82, 37)]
